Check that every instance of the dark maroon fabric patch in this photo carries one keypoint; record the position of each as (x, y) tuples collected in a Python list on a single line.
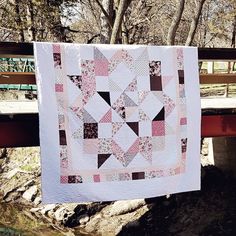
[(62, 137), (181, 76), (155, 83), (138, 175)]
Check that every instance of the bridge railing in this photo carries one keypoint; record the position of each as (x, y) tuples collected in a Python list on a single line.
[(20, 130)]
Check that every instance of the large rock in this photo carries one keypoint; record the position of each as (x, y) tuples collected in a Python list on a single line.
[(83, 219), (11, 173), (30, 194), (123, 207), (62, 214), (46, 208)]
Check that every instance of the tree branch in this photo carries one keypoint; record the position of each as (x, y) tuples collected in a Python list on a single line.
[(175, 23), (194, 23), (104, 13), (91, 39), (123, 5)]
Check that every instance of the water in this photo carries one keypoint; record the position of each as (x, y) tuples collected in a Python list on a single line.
[(16, 221)]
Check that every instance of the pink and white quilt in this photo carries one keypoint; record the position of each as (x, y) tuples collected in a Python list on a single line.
[(117, 121)]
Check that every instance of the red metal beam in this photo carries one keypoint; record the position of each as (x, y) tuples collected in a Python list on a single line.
[(218, 125), (23, 130), (19, 130)]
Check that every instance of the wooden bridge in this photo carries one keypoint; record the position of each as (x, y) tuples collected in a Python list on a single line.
[(21, 129)]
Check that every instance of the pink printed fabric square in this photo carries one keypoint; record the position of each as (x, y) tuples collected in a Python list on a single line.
[(183, 121), (117, 122), (158, 128), (64, 179), (96, 178), (59, 87), (101, 67)]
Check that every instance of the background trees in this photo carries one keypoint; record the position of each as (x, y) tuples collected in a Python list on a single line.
[(205, 23)]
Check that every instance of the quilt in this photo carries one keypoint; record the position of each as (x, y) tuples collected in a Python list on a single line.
[(117, 121)]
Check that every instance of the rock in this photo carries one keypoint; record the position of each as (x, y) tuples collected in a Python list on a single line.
[(21, 189), (97, 216), (81, 209), (123, 207), (50, 214), (3, 153), (83, 219), (60, 214), (11, 173), (8, 190), (29, 183), (37, 200), (204, 152), (131, 228), (35, 209), (11, 196), (30, 193), (47, 208)]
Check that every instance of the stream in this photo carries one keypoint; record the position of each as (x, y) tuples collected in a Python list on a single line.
[(15, 220)]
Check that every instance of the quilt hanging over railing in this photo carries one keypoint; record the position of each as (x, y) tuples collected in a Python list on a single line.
[(117, 121)]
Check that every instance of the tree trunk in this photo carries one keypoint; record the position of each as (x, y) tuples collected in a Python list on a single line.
[(30, 21), (19, 21), (106, 27), (233, 33), (123, 4), (233, 41), (175, 23), (124, 34), (194, 23)]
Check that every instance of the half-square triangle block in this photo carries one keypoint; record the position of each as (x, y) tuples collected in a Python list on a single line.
[(102, 158), (134, 126), (105, 96), (160, 115)]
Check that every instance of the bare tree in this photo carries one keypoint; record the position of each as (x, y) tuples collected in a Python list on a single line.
[(18, 20), (107, 13), (111, 22), (194, 22), (175, 23), (30, 21), (123, 5), (233, 33)]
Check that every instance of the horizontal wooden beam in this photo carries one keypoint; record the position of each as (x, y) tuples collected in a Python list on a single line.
[(225, 54), (29, 78), (13, 49), (217, 78), (17, 78)]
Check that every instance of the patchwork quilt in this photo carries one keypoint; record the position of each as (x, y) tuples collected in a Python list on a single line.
[(117, 121)]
